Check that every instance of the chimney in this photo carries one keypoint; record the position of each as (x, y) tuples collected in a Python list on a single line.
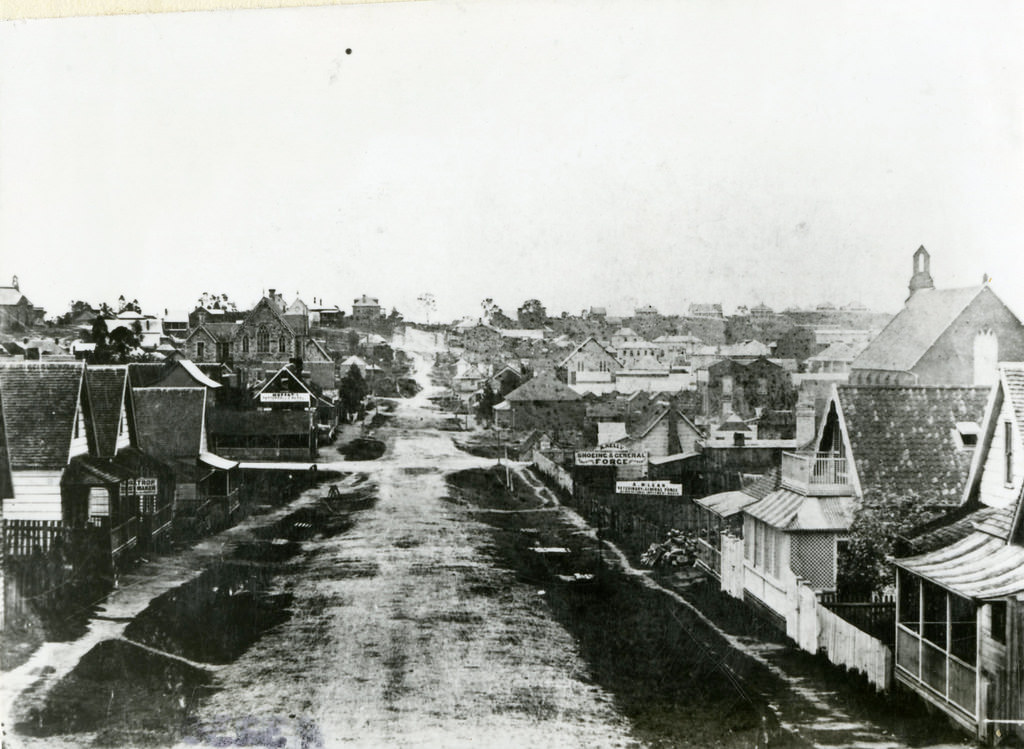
[(805, 430), (271, 293)]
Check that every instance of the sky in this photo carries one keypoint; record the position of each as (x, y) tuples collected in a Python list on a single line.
[(581, 153)]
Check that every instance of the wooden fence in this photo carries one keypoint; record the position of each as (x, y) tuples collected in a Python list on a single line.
[(553, 471), (877, 619), (23, 538), (809, 622)]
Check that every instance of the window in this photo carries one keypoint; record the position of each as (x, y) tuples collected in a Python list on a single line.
[(967, 434), (762, 386), (200, 350), (727, 385), (281, 345), (245, 344), (1008, 451), (262, 341), (997, 628)]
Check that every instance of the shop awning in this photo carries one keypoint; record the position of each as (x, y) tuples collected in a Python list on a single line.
[(215, 461)]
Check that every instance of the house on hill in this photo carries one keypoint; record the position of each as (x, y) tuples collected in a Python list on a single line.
[(941, 337), (590, 362), (542, 403)]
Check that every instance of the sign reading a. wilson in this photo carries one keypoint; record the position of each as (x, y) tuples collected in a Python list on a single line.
[(610, 458), (653, 488)]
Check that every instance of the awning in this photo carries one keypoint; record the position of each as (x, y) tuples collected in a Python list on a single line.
[(726, 504), (789, 511), (215, 461), (979, 566), (86, 470), (675, 457)]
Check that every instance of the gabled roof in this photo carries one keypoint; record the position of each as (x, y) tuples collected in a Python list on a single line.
[(543, 387), (652, 414), (40, 401), (170, 421), (1010, 385), (285, 372), (903, 439), (217, 331), (10, 296), (271, 305), (106, 387), (915, 329), (581, 347)]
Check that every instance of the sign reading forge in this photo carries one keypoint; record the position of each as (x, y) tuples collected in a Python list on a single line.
[(611, 458)]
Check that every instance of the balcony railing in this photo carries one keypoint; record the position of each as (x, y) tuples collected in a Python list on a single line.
[(816, 474)]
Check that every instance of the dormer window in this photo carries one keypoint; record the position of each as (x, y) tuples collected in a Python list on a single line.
[(967, 435)]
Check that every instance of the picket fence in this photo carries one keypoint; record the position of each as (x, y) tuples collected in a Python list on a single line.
[(553, 471), (811, 625)]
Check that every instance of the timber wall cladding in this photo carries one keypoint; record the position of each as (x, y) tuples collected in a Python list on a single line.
[(36, 496)]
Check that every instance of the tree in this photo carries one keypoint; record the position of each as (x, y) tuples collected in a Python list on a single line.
[(99, 331), (485, 406), (351, 391), (532, 314), (863, 566)]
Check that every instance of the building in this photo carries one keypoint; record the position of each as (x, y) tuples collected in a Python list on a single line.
[(941, 337), (542, 403), (171, 424), (960, 606), (646, 312), (366, 309), (836, 358), (590, 362), (710, 311), (265, 338), (761, 312), (16, 311)]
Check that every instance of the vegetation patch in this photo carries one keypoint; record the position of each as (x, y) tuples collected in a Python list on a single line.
[(128, 695), (363, 448)]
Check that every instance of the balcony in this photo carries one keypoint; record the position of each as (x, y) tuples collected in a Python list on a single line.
[(816, 474)]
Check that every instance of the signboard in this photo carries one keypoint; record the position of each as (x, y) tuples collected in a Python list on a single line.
[(610, 458), (653, 488), (266, 397), (145, 487)]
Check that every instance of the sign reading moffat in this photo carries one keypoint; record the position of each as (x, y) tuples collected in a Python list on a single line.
[(653, 488), (610, 458)]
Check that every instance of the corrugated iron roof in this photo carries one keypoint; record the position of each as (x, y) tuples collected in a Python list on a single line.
[(726, 504), (789, 511), (979, 566)]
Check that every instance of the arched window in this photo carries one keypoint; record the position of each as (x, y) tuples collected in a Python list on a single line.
[(262, 340), (245, 344), (986, 357), (282, 344)]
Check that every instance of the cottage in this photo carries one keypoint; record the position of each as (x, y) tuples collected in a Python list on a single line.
[(542, 403), (941, 337)]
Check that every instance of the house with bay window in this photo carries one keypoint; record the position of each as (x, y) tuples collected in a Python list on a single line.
[(960, 606)]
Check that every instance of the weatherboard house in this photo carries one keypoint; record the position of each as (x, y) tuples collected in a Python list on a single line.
[(960, 605)]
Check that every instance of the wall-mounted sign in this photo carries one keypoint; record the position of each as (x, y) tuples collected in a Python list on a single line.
[(652, 488), (266, 397), (610, 458), (145, 487)]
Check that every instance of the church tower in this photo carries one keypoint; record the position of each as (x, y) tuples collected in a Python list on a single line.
[(921, 279)]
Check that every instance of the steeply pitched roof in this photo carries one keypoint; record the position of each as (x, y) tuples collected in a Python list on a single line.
[(9, 296), (581, 347), (543, 387), (916, 328), (40, 400), (790, 511), (904, 439), (106, 389), (169, 421)]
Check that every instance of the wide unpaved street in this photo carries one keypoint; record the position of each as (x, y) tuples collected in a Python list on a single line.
[(418, 614)]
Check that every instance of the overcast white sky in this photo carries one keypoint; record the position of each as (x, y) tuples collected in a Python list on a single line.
[(606, 153)]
